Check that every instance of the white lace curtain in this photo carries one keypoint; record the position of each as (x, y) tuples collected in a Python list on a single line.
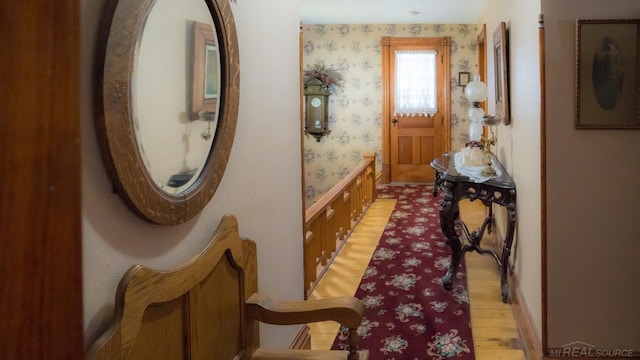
[(416, 91)]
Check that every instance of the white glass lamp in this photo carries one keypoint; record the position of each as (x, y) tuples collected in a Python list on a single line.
[(476, 92)]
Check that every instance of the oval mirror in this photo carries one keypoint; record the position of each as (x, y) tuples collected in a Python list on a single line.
[(170, 92)]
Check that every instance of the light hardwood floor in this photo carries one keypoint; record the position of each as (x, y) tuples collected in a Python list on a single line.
[(495, 335)]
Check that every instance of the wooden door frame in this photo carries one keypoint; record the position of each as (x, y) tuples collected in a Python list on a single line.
[(41, 232), (386, 43), (482, 60)]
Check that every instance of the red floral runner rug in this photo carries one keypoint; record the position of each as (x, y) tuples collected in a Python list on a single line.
[(408, 314)]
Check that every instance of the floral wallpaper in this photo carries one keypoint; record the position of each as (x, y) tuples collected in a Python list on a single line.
[(355, 113)]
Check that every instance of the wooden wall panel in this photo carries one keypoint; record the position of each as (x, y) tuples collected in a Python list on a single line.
[(405, 154), (161, 334), (426, 150)]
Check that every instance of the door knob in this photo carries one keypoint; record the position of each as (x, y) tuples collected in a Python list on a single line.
[(394, 121)]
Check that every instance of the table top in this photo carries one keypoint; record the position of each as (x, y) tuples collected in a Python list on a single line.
[(445, 165)]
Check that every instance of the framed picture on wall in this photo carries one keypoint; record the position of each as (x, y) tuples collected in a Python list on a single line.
[(607, 74), (206, 72), (501, 71), (464, 77)]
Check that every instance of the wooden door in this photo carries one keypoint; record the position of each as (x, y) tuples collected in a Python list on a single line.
[(414, 141), (40, 199)]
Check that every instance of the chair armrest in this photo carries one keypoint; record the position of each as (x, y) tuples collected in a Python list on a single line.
[(347, 311)]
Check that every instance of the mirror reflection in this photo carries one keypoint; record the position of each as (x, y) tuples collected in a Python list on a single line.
[(176, 88)]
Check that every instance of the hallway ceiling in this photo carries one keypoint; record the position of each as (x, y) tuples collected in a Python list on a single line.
[(391, 11)]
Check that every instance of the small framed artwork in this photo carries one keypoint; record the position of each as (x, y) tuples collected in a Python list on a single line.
[(206, 72), (464, 77), (501, 71), (607, 74)]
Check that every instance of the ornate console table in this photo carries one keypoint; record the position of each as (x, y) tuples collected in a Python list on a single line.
[(500, 190)]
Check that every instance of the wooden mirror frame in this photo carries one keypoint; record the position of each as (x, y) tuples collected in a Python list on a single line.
[(115, 125)]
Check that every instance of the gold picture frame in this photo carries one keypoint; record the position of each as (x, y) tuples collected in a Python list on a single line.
[(607, 74), (501, 67)]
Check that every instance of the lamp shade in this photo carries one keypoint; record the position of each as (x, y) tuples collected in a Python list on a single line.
[(476, 91)]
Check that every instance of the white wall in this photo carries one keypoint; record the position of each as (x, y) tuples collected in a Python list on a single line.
[(261, 185), (593, 200), (519, 143)]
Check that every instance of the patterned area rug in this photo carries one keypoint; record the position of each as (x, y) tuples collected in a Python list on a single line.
[(408, 314)]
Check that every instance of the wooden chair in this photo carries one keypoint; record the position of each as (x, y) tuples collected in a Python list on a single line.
[(209, 308)]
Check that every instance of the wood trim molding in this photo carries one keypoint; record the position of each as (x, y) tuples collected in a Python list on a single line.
[(482, 68), (524, 321), (543, 182), (446, 42), (303, 179), (302, 341), (41, 98), (482, 58), (386, 156)]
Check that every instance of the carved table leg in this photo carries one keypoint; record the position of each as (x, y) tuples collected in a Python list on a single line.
[(489, 228), (506, 249), (448, 214), (436, 183)]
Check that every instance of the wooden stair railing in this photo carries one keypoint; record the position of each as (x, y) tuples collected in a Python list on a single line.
[(330, 220)]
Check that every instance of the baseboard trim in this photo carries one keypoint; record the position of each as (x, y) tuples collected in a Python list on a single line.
[(524, 321), (302, 341), (531, 342)]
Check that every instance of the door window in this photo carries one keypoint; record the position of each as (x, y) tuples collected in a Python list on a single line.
[(416, 90)]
